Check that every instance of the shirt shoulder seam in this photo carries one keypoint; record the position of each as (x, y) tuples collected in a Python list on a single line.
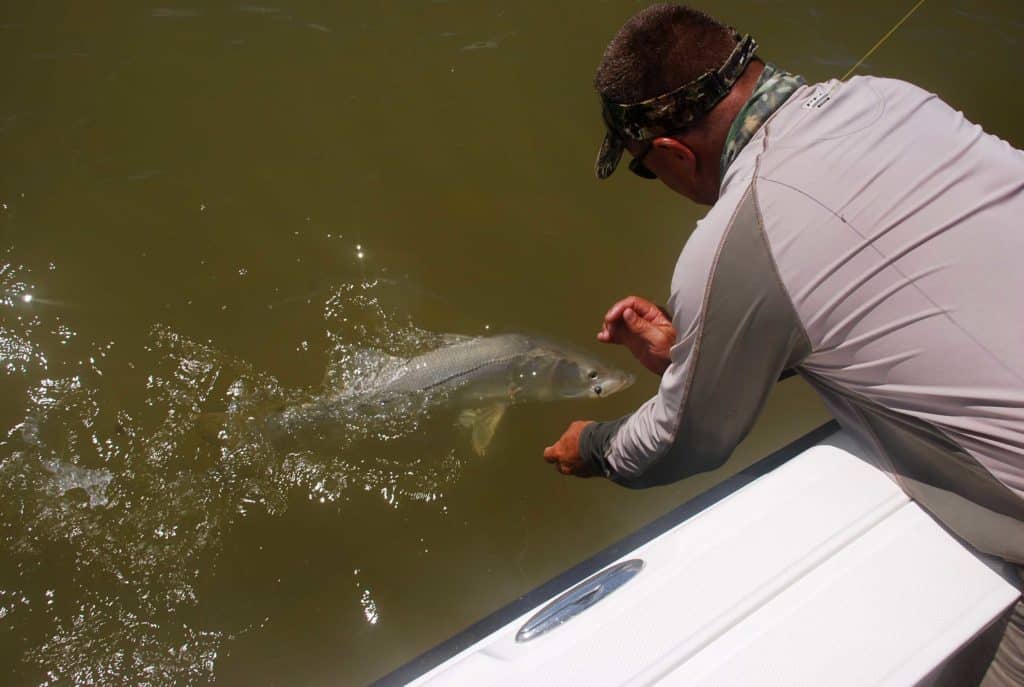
[(759, 215), (701, 315)]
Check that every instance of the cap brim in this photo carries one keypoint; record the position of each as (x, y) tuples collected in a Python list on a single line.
[(609, 155)]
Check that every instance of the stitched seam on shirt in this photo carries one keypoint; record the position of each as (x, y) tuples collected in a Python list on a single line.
[(700, 333), (759, 216), (894, 266), (857, 402), (768, 131), (881, 112)]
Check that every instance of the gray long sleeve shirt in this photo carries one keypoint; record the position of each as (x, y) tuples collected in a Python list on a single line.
[(871, 237)]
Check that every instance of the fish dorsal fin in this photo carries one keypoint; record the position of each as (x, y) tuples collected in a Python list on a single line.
[(455, 339), (482, 422)]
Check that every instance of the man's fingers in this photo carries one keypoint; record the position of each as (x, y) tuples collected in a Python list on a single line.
[(632, 307), (615, 312), (642, 307), (635, 322), (610, 332), (550, 455), (651, 312)]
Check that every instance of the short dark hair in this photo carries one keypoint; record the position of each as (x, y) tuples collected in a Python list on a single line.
[(658, 50)]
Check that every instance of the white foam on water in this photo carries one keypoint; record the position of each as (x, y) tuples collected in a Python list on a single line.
[(67, 476), (142, 504)]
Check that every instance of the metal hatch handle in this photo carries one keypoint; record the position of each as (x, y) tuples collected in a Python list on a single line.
[(578, 599)]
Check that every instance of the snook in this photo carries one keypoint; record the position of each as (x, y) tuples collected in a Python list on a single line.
[(481, 377), (486, 375)]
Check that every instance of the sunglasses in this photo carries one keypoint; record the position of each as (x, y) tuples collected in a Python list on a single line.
[(637, 166)]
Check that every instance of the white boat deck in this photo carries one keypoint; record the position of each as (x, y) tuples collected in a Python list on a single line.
[(820, 572)]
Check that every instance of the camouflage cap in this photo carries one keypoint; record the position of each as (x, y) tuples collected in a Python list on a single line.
[(658, 116)]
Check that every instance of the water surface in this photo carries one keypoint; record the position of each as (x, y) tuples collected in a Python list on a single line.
[(222, 206)]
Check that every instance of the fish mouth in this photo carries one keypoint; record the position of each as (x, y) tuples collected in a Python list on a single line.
[(613, 382)]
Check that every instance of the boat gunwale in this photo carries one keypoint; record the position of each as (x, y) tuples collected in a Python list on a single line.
[(443, 651)]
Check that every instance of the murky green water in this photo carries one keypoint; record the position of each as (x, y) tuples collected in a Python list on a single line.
[(219, 206)]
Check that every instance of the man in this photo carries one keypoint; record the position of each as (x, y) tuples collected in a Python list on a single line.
[(863, 234)]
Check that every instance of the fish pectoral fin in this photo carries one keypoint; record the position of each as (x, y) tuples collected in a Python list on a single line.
[(513, 392), (482, 422)]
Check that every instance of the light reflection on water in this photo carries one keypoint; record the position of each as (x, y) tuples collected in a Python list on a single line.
[(141, 504), (20, 326)]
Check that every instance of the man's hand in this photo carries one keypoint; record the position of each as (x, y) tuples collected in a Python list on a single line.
[(643, 328), (565, 453)]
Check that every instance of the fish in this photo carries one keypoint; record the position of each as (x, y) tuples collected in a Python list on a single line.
[(479, 376), (486, 375)]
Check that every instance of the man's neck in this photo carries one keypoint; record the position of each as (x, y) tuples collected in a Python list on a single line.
[(708, 139), (722, 117)]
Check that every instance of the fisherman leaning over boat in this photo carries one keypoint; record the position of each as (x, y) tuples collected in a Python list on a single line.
[(862, 233)]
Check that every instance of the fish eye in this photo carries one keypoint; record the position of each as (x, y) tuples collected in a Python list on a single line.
[(592, 374), (597, 389)]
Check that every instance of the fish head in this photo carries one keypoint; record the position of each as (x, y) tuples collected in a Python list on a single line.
[(573, 374), (602, 381)]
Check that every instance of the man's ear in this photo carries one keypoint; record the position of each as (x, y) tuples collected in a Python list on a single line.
[(682, 153)]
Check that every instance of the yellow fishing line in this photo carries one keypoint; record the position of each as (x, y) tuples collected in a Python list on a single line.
[(883, 39)]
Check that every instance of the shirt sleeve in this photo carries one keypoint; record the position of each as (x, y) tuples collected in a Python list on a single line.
[(737, 331)]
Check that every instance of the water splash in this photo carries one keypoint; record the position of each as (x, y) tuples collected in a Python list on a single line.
[(67, 476), (113, 515)]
